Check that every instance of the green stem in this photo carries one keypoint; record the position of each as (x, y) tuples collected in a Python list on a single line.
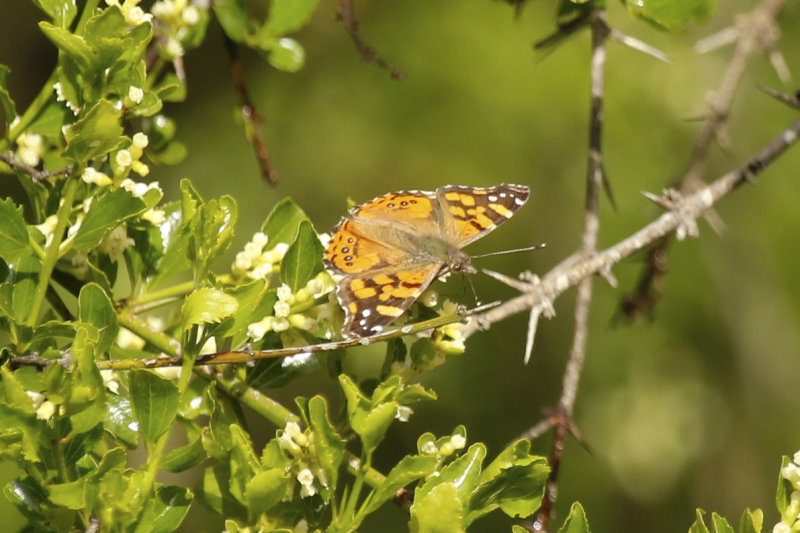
[(51, 251), (358, 484)]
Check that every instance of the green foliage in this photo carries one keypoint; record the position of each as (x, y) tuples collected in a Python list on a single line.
[(98, 273)]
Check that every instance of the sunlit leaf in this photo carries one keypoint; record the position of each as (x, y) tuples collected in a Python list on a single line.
[(155, 402), (303, 259)]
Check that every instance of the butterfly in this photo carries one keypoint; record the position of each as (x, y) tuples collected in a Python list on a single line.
[(388, 250)]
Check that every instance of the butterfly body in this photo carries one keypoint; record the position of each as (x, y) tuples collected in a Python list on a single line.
[(388, 250)]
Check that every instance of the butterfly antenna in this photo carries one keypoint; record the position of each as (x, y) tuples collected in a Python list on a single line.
[(468, 279), (512, 251)]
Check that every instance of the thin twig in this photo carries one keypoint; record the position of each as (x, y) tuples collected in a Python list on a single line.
[(569, 274), (752, 29), (347, 15), (250, 116), (591, 225), (35, 174)]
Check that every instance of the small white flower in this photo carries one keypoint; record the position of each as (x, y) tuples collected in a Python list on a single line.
[(36, 397), (174, 48), (124, 158), (284, 293), (59, 89), (782, 527), (30, 148), (140, 139), (429, 298), (191, 15), (282, 309), (403, 413), (110, 380), (458, 441), (46, 410), (791, 472), (155, 216), (135, 95), (80, 264), (305, 476), (116, 242), (136, 15), (257, 330), (301, 526), (280, 324), (91, 175), (292, 429), (429, 448), (306, 491), (48, 226), (796, 457)]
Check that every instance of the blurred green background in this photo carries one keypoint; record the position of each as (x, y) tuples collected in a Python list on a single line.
[(692, 409)]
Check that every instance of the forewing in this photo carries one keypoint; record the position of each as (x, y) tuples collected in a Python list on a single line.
[(472, 212)]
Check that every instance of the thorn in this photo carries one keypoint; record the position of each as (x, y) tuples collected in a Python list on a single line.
[(779, 64), (533, 322), (717, 40), (660, 201), (788, 99), (511, 282), (639, 46)]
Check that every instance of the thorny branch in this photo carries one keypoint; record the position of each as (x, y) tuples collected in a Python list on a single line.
[(686, 209), (753, 31), (595, 177), (370, 55)]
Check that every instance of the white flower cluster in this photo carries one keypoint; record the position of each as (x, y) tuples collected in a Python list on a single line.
[(30, 147), (116, 242), (128, 159), (134, 15), (790, 520), (313, 318), (450, 339), (300, 446), (456, 442), (176, 17), (255, 262)]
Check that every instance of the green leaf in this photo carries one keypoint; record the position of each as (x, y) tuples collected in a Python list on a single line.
[(5, 98), (576, 521), (155, 403), (213, 491), (266, 489), (232, 16), (26, 275), (671, 15), (166, 511), (85, 403), (303, 259), (751, 521), (73, 46), (13, 231), (95, 134), (94, 307), (62, 12), (329, 445), (409, 469), (286, 55), (185, 457), (783, 496), (12, 392), (699, 525), (438, 511), (287, 16), (720, 524), (207, 306), (368, 421), (463, 473), (71, 495), (106, 213), (243, 461), (119, 420), (282, 222)]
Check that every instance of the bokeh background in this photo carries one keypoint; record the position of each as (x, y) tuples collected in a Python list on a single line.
[(691, 409)]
